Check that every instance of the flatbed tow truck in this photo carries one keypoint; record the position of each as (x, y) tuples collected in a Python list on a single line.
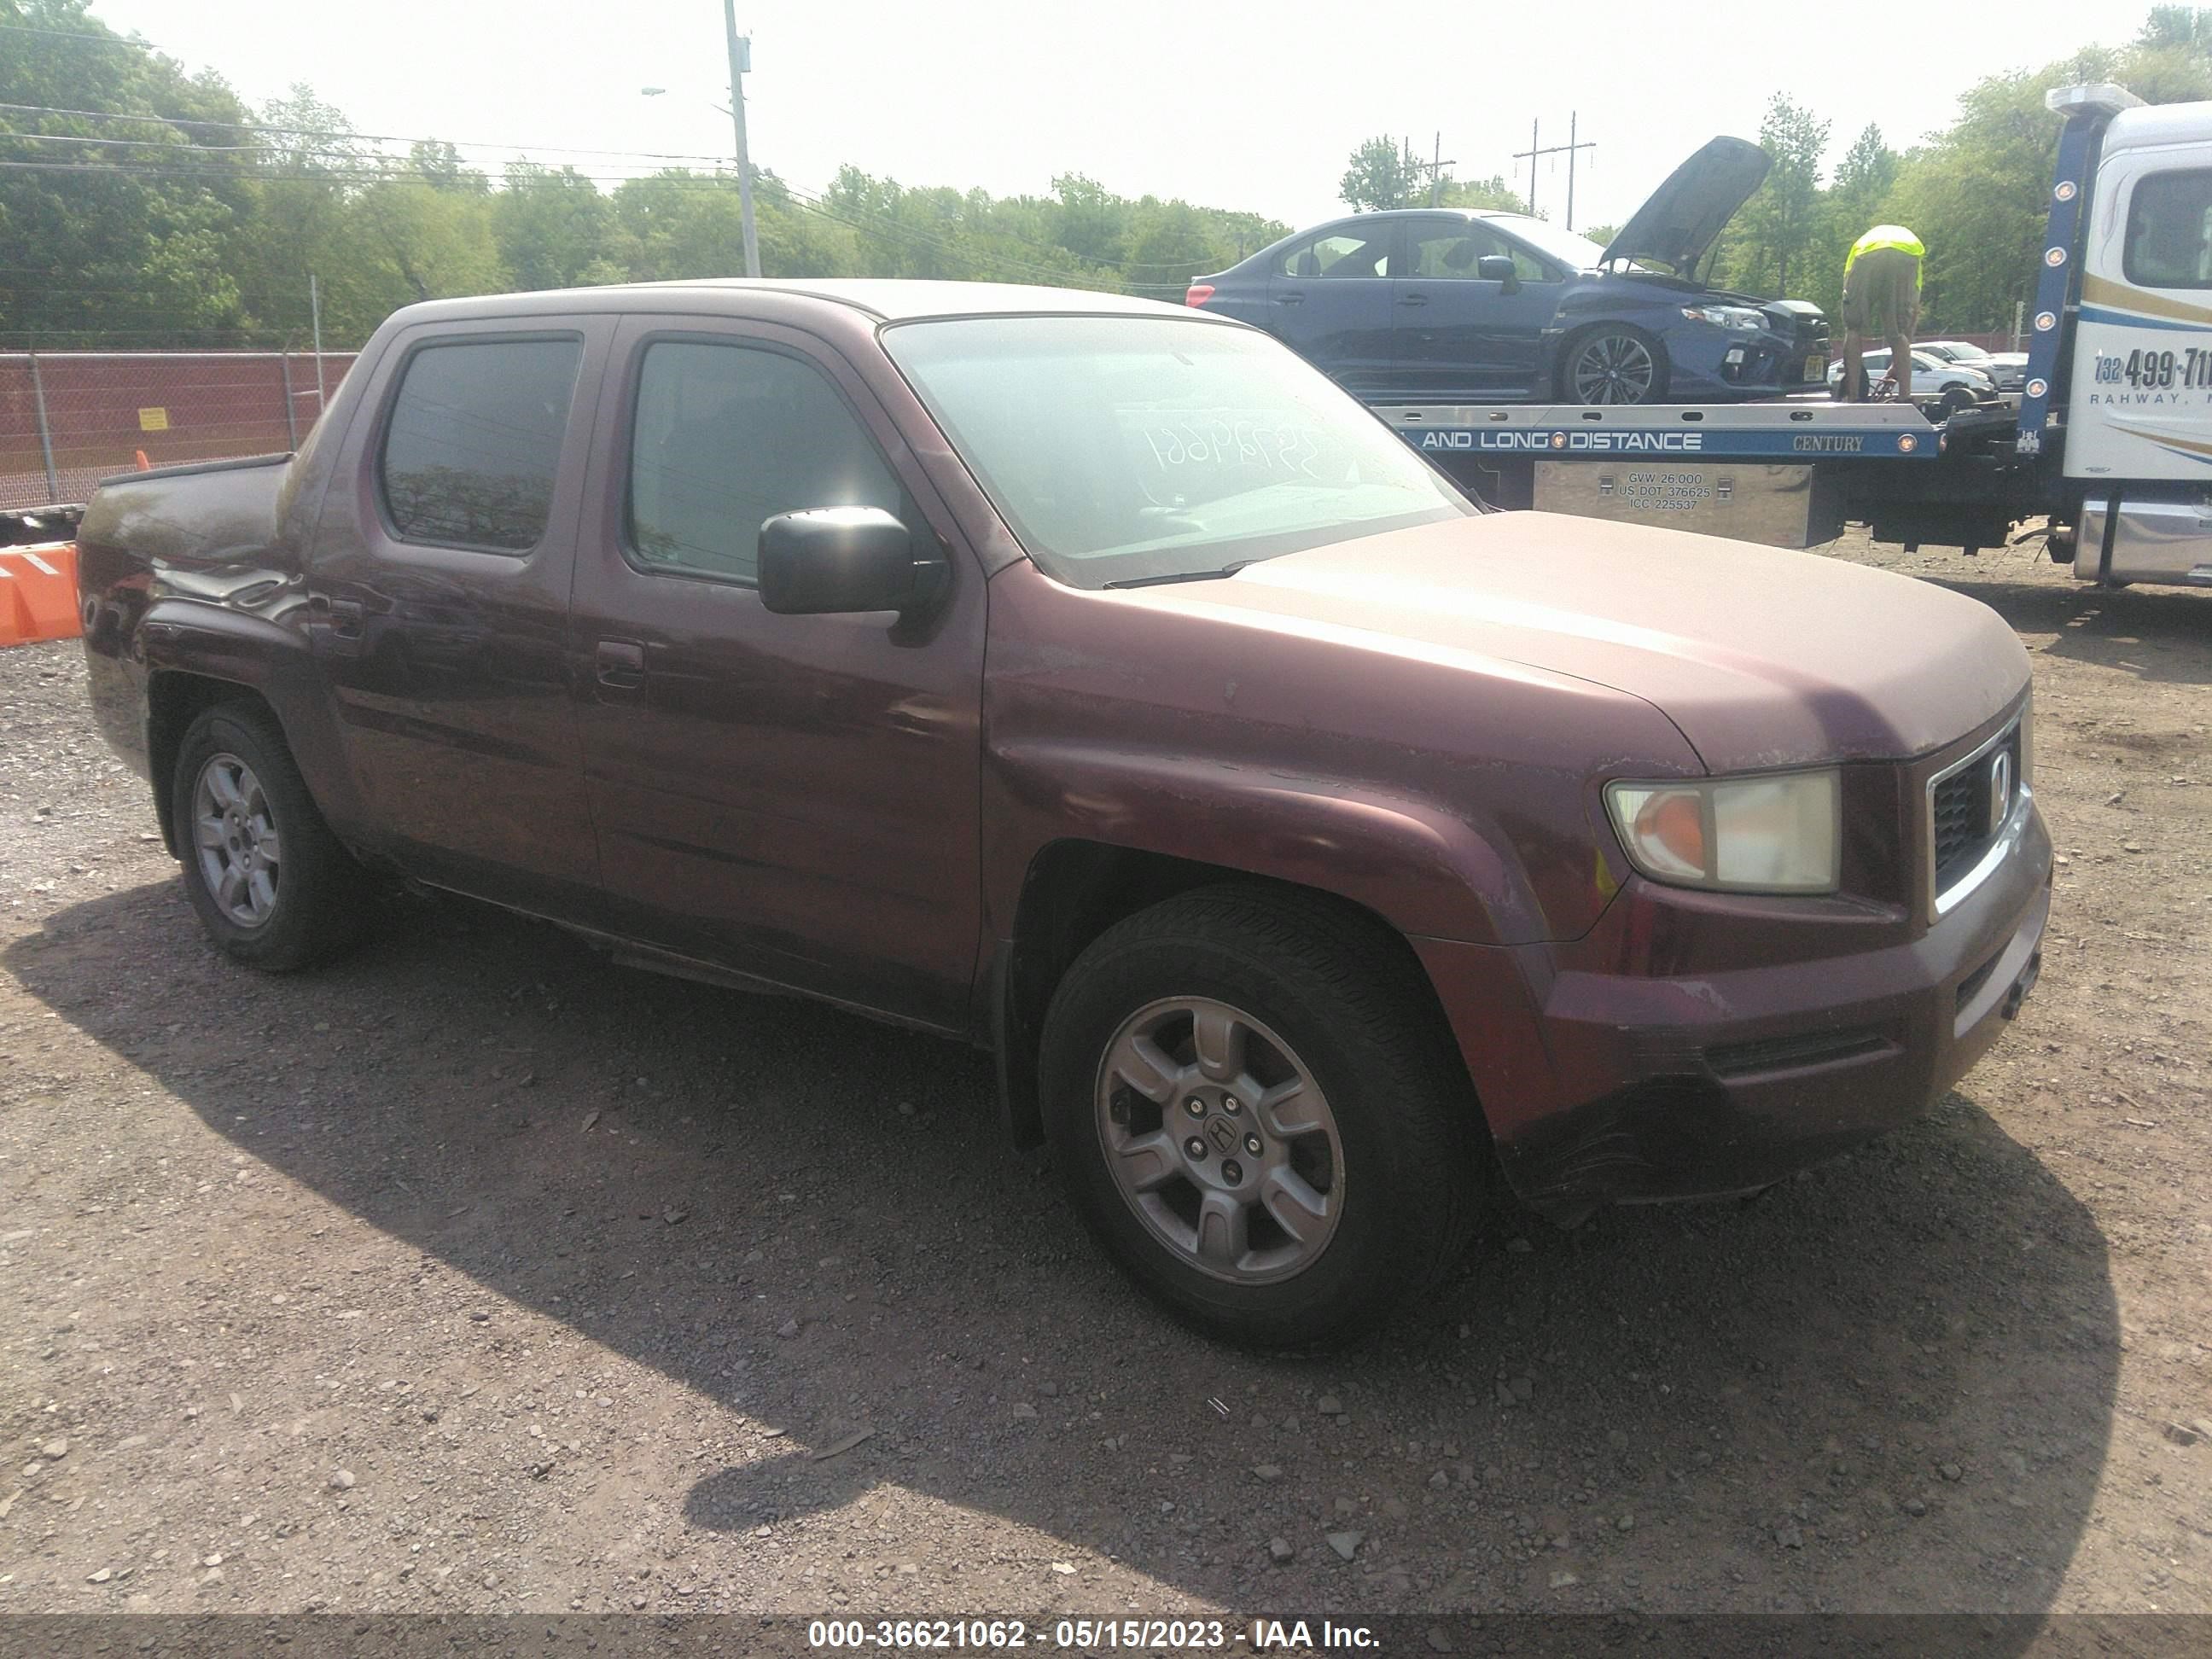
[(2110, 445)]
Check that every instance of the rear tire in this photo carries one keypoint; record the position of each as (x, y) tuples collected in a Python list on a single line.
[(272, 885), (1331, 1099)]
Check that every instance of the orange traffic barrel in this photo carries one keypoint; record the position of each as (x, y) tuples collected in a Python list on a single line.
[(38, 593)]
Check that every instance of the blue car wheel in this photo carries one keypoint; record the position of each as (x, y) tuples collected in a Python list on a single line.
[(1614, 363)]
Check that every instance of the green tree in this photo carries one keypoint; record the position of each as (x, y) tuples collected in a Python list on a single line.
[(116, 230), (305, 176), (403, 241), (1091, 223), (2182, 28), (1855, 200), (440, 166), (678, 224), (1772, 242), (1491, 192), (1382, 175), (548, 226)]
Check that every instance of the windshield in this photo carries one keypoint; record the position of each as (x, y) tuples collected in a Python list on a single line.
[(1125, 449), (1575, 252)]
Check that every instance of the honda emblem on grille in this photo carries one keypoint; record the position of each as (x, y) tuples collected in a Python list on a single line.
[(2000, 788)]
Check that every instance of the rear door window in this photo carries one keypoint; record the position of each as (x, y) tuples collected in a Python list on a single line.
[(1347, 250), (473, 441), (726, 436)]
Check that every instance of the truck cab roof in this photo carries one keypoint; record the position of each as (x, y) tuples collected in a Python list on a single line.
[(2153, 125), (883, 299)]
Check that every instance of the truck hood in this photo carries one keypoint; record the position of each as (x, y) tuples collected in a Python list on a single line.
[(1760, 658), (1684, 215)]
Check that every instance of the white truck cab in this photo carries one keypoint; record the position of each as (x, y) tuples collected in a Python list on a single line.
[(2138, 414)]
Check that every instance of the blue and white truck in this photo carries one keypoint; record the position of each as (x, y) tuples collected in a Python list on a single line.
[(2110, 446)]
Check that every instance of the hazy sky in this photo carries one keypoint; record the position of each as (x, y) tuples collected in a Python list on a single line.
[(1227, 105)]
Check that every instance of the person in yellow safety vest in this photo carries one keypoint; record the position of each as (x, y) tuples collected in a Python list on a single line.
[(1881, 299)]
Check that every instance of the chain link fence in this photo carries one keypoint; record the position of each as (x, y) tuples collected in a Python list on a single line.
[(69, 419)]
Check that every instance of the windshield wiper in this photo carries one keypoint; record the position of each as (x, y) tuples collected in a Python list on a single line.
[(1185, 576)]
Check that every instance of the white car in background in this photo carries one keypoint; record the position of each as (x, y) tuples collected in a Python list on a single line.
[(1953, 386), (2009, 371)]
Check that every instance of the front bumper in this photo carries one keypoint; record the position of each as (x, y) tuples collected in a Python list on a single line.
[(1603, 1086), (1723, 365)]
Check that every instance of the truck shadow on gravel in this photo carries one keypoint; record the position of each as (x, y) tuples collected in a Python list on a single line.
[(2157, 634), (1888, 1384)]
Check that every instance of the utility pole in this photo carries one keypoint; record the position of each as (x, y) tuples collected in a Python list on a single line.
[(315, 310), (1568, 149), (741, 59), (1572, 116), (1437, 165)]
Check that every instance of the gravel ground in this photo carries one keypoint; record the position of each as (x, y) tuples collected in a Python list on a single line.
[(475, 1275)]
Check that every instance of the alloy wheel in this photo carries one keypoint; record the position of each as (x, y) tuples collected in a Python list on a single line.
[(1220, 1140), (1613, 368), (235, 840)]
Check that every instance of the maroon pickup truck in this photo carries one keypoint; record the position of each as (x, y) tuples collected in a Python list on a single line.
[(1093, 680)]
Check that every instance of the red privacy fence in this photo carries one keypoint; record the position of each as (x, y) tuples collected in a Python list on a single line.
[(69, 419)]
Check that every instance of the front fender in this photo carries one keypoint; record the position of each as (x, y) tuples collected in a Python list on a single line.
[(1425, 869)]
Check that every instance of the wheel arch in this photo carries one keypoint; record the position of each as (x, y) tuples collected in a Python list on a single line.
[(175, 697), (1073, 891)]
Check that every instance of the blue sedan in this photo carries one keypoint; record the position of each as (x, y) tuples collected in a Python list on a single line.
[(1434, 305)]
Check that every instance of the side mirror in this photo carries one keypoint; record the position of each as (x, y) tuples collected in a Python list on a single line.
[(842, 559), (1498, 268)]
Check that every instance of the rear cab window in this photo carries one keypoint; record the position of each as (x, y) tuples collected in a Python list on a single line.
[(471, 444)]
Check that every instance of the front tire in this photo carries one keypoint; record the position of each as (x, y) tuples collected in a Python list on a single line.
[(1327, 1176), (272, 885), (1614, 363)]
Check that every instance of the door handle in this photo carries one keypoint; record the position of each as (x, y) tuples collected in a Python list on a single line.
[(344, 616), (1290, 299), (620, 665), (1412, 299)]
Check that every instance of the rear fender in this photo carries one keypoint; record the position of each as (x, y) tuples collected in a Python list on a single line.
[(184, 642)]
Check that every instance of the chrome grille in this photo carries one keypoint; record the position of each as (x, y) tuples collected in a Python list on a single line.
[(1960, 820), (1968, 805)]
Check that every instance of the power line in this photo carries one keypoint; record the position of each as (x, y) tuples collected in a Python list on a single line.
[(173, 145), (58, 34), (362, 138)]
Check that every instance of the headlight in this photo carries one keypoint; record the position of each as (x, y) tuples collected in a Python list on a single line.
[(1778, 834), (1736, 316)]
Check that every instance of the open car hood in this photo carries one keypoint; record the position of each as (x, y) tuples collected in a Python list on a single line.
[(1675, 227)]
